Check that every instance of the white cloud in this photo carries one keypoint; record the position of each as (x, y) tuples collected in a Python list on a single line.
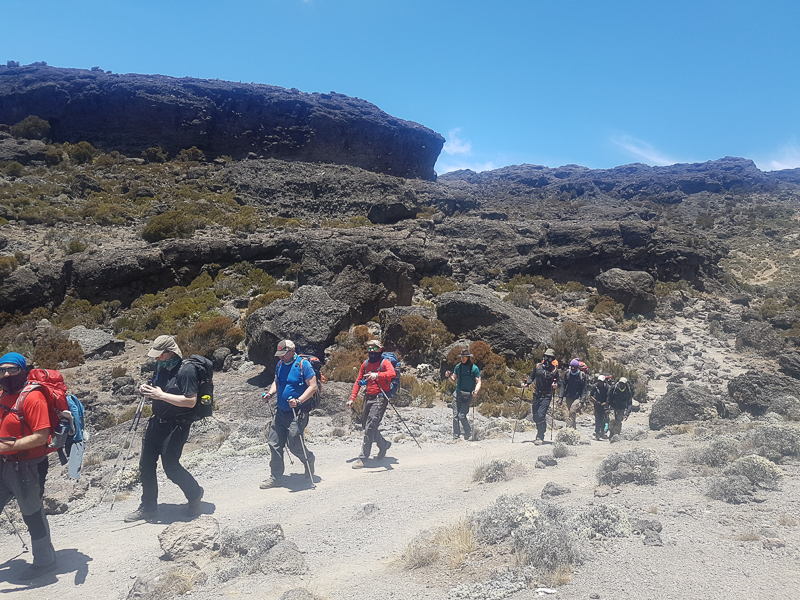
[(788, 157), (643, 150), (455, 145)]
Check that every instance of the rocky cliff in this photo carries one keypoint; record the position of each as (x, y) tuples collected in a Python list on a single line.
[(130, 113)]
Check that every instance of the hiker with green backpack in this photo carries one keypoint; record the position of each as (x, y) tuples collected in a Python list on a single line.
[(467, 377), (179, 395)]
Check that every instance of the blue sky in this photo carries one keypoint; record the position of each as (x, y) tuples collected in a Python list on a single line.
[(595, 83)]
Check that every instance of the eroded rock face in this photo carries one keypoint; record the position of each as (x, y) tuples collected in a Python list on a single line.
[(182, 541), (759, 392), (632, 289), (21, 151), (131, 113), (95, 342), (681, 404), (310, 318), (479, 314)]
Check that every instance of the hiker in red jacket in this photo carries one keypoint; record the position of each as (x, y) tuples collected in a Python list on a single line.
[(378, 373), (23, 458)]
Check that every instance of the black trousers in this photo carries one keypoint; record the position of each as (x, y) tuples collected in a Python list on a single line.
[(541, 402), (165, 439), (285, 431), (600, 418)]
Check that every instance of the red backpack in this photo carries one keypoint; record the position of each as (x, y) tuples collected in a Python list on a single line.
[(51, 384)]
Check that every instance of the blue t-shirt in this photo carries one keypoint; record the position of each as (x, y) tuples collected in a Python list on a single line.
[(291, 381)]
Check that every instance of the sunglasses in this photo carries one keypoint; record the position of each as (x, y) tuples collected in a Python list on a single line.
[(373, 348), (10, 370)]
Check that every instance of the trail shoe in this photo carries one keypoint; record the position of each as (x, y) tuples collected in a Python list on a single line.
[(269, 482), (310, 468), (358, 464), (195, 507), (538, 442), (382, 451), (34, 571), (141, 514)]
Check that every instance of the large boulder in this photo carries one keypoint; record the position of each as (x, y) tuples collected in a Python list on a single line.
[(479, 314), (759, 392), (391, 320), (95, 342), (761, 337), (632, 289), (682, 404), (181, 541), (790, 364), (21, 151), (310, 318)]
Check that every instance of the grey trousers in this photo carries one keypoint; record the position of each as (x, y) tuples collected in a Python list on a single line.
[(286, 431), (615, 425), (461, 404), (371, 417), (24, 480)]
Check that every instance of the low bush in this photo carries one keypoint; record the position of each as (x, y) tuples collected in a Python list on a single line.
[(604, 521), (193, 154), (638, 466), (492, 471), (266, 299), (718, 453), (775, 441), (8, 264), (538, 283), (422, 340), (171, 224), (736, 489), (521, 297), (569, 341), (118, 371), (605, 306), (344, 363), (13, 169), (206, 336), (82, 152), (560, 450), (56, 351), (757, 469), (155, 154), (438, 285), (75, 247), (568, 436), (31, 128)]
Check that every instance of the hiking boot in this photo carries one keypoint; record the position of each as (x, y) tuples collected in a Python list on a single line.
[(358, 464), (194, 507), (141, 514), (538, 442), (269, 482), (382, 451), (309, 468), (34, 571)]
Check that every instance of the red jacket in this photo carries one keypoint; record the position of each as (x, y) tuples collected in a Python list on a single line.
[(385, 372)]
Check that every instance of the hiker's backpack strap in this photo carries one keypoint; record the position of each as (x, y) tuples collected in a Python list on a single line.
[(18, 406)]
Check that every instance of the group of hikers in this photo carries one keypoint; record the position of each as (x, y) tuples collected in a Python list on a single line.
[(26, 425)]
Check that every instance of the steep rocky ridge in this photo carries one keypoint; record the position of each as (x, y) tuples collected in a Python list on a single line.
[(130, 113)]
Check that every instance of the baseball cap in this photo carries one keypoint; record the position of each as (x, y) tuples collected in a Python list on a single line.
[(164, 343), (374, 344), (284, 347)]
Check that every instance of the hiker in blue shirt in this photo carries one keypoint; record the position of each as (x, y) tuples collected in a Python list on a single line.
[(295, 383), (467, 377)]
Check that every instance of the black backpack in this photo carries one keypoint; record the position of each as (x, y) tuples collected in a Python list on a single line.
[(205, 386)]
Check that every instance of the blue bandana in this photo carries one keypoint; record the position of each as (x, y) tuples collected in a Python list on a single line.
[(14, 358)]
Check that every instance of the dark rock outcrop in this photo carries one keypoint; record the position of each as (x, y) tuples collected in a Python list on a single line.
[(131, 113), (632, 289), (479, 314), (310, 318), (761, 337), (759, 392), (682, 404), (21, 151), (790, 364)]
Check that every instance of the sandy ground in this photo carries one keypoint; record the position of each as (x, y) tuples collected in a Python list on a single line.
[(354, 555)]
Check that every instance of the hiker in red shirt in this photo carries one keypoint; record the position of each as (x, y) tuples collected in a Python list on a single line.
[(23, 458), (378, 373)]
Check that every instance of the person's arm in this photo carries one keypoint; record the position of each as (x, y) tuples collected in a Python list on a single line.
[(34, 440), (530, 379), (451, 376), (156, 393), (356, 387), (386, 374), (37, 417), (273, 389), (477, 387)]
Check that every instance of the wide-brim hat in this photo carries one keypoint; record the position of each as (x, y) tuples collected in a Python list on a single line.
[(465, 352), (374, 344), (164, 343)]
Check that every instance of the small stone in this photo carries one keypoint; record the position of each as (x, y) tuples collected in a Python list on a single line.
[(601, 491), (651, 538), (554, 489), (594, 596), (773, 543)]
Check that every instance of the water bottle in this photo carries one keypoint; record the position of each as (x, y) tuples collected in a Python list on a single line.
[(59, 437), (205, 399)]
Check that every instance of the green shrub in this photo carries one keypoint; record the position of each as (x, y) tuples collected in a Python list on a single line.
[(82, 152), (571, 341), (171, 224), (206, 336), (423, 340), (75, 246), (53, 156), (8, 264), (13, 169), (520, 297), (56, 351), (560, 450), (757, 469), (665, 288), (118, 371), (155, 155), (266, 299), (568, 436), (31, 128), (193, 154), (438, 285), (641, 467), (344, 365), (492, 472), (604, 306)]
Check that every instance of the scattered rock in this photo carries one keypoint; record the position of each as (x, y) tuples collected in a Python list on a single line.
[(773, 543), (601, 491), (790, 364), (167, 583), (642, 525), (183, 540), (554, 489), (681, 404), (547, 460), (652, 538)]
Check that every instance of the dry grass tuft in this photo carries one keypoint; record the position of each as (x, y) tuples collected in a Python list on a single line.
[(458, 540), (653, 509), (787, 520), (558, 577), (420, 552), (748, 536)]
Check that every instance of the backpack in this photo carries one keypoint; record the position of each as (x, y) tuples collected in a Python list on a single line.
[(64, 431), (204, 368), (394, 385), (316, 364)]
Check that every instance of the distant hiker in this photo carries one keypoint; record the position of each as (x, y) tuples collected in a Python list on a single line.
[(23, 458), (620, 399), (544, 378), (173, 390), (573, 387), (599, 396), (295, 383), (467, 377), (378, 373)]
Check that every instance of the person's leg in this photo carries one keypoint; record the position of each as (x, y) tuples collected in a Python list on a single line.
[(456, 419), (541, 415), (572, 408), (599, 419), (31, 475), (148, 460), (372, 419), (171, 451), (277, 440), (615, 426), (464, 402), (295, 444)]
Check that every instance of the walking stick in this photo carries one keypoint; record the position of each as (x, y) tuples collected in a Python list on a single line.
[(272, 414), (364, 382), (14, 527), (126, 445), (474, 431), (552, 413), (303, 446), (516, 415)]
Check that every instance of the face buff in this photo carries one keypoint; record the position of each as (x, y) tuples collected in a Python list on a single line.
[(374, 356), (170, 363)]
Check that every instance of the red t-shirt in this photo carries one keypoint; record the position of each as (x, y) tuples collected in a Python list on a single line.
[(37, 417)]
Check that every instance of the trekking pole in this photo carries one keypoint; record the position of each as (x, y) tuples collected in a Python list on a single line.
[(14, 527), (303, 446), (127, 442), (552, 413), (272, 414), (474, 432), (128, 452), (516, 415), (401, 419)]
